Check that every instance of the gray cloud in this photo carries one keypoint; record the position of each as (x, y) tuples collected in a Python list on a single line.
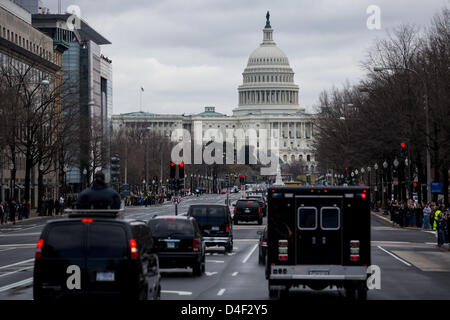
[(191, 53)]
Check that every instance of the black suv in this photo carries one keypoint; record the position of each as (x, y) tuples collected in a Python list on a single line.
[(179, 243), (261, 201), (248, 210), (96, 256), (215, 224)]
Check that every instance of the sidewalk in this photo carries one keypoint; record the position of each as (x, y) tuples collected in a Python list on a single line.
[(387, 218), (33, 216)]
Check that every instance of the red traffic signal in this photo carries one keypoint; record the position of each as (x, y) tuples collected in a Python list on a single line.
[(403, 145), (172, 164), (182, 165), (415, 184)]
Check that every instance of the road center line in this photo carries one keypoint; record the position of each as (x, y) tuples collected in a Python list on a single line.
[(221, 292), (250, 253), (16, 284), (235, 274), (180, 293), (394, 256)]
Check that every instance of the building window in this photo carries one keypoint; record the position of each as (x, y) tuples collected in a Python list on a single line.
[(308, 158)]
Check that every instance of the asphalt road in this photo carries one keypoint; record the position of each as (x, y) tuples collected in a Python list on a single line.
[(412, 267)]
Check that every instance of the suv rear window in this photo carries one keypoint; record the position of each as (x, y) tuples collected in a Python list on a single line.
[(247, 203), (65, 241), (206, 214), (165, 228), (107, 241)]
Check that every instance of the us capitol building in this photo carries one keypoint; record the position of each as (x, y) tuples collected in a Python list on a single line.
[(268, 99)]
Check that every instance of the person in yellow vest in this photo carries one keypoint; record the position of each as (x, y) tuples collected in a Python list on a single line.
[(436, 218)]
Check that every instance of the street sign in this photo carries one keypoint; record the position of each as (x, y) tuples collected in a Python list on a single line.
[(176, 200), (436, 187)]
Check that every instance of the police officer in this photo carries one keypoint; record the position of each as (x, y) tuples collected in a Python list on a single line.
[(99, 195), (436, 218)]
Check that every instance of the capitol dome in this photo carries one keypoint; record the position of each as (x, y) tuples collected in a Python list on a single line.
[(268, 80)]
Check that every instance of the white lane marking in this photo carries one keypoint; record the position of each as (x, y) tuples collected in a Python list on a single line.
[(180, 293), (394, 256), (250, 253), (210, 273), (7, 249), (17, 263), (17, 245), (221, 292), (20, 234), (215, 261), (16, 284), (235, 274), (245, 240), (13, 272)]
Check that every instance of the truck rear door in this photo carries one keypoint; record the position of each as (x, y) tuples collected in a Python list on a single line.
[(318, 229)]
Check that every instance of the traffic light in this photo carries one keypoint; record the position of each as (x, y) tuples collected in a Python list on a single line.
[(173, 170), (404, 149), (181, 171)]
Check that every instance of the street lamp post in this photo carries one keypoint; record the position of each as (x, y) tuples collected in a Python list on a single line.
[(427, 121), (385, 166)]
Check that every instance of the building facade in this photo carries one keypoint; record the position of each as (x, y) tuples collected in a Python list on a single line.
[(90, 76), (23, 48), (267, 100)]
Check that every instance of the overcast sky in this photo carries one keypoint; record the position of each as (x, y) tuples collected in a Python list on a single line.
[(188, 54)]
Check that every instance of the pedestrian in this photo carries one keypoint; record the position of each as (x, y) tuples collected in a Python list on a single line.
[(61, 204), (20, 211), (50, 206), (27, 209), (6, 214), (436, 214), (418, 214), (441, 228), (426, 216), (12, 211), (43, 211), (2, 212), (57, 207)]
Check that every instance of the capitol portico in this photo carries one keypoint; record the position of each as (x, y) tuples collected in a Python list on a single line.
[(268, 99)]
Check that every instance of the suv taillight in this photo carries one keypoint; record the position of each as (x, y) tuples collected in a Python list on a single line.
[(235, 210), (259, 210), (38, 253), (227, 228), (195, 244), (133, 249)]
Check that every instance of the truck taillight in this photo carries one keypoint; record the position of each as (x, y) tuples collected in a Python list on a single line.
[(235, 210), (38, 253), (354, 250), (259, 210), (283, 250), (283, 257), (195, 244), (133, 249)]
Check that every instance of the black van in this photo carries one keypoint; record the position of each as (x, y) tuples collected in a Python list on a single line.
[(95, 256), (215, 223), (318, 236)]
